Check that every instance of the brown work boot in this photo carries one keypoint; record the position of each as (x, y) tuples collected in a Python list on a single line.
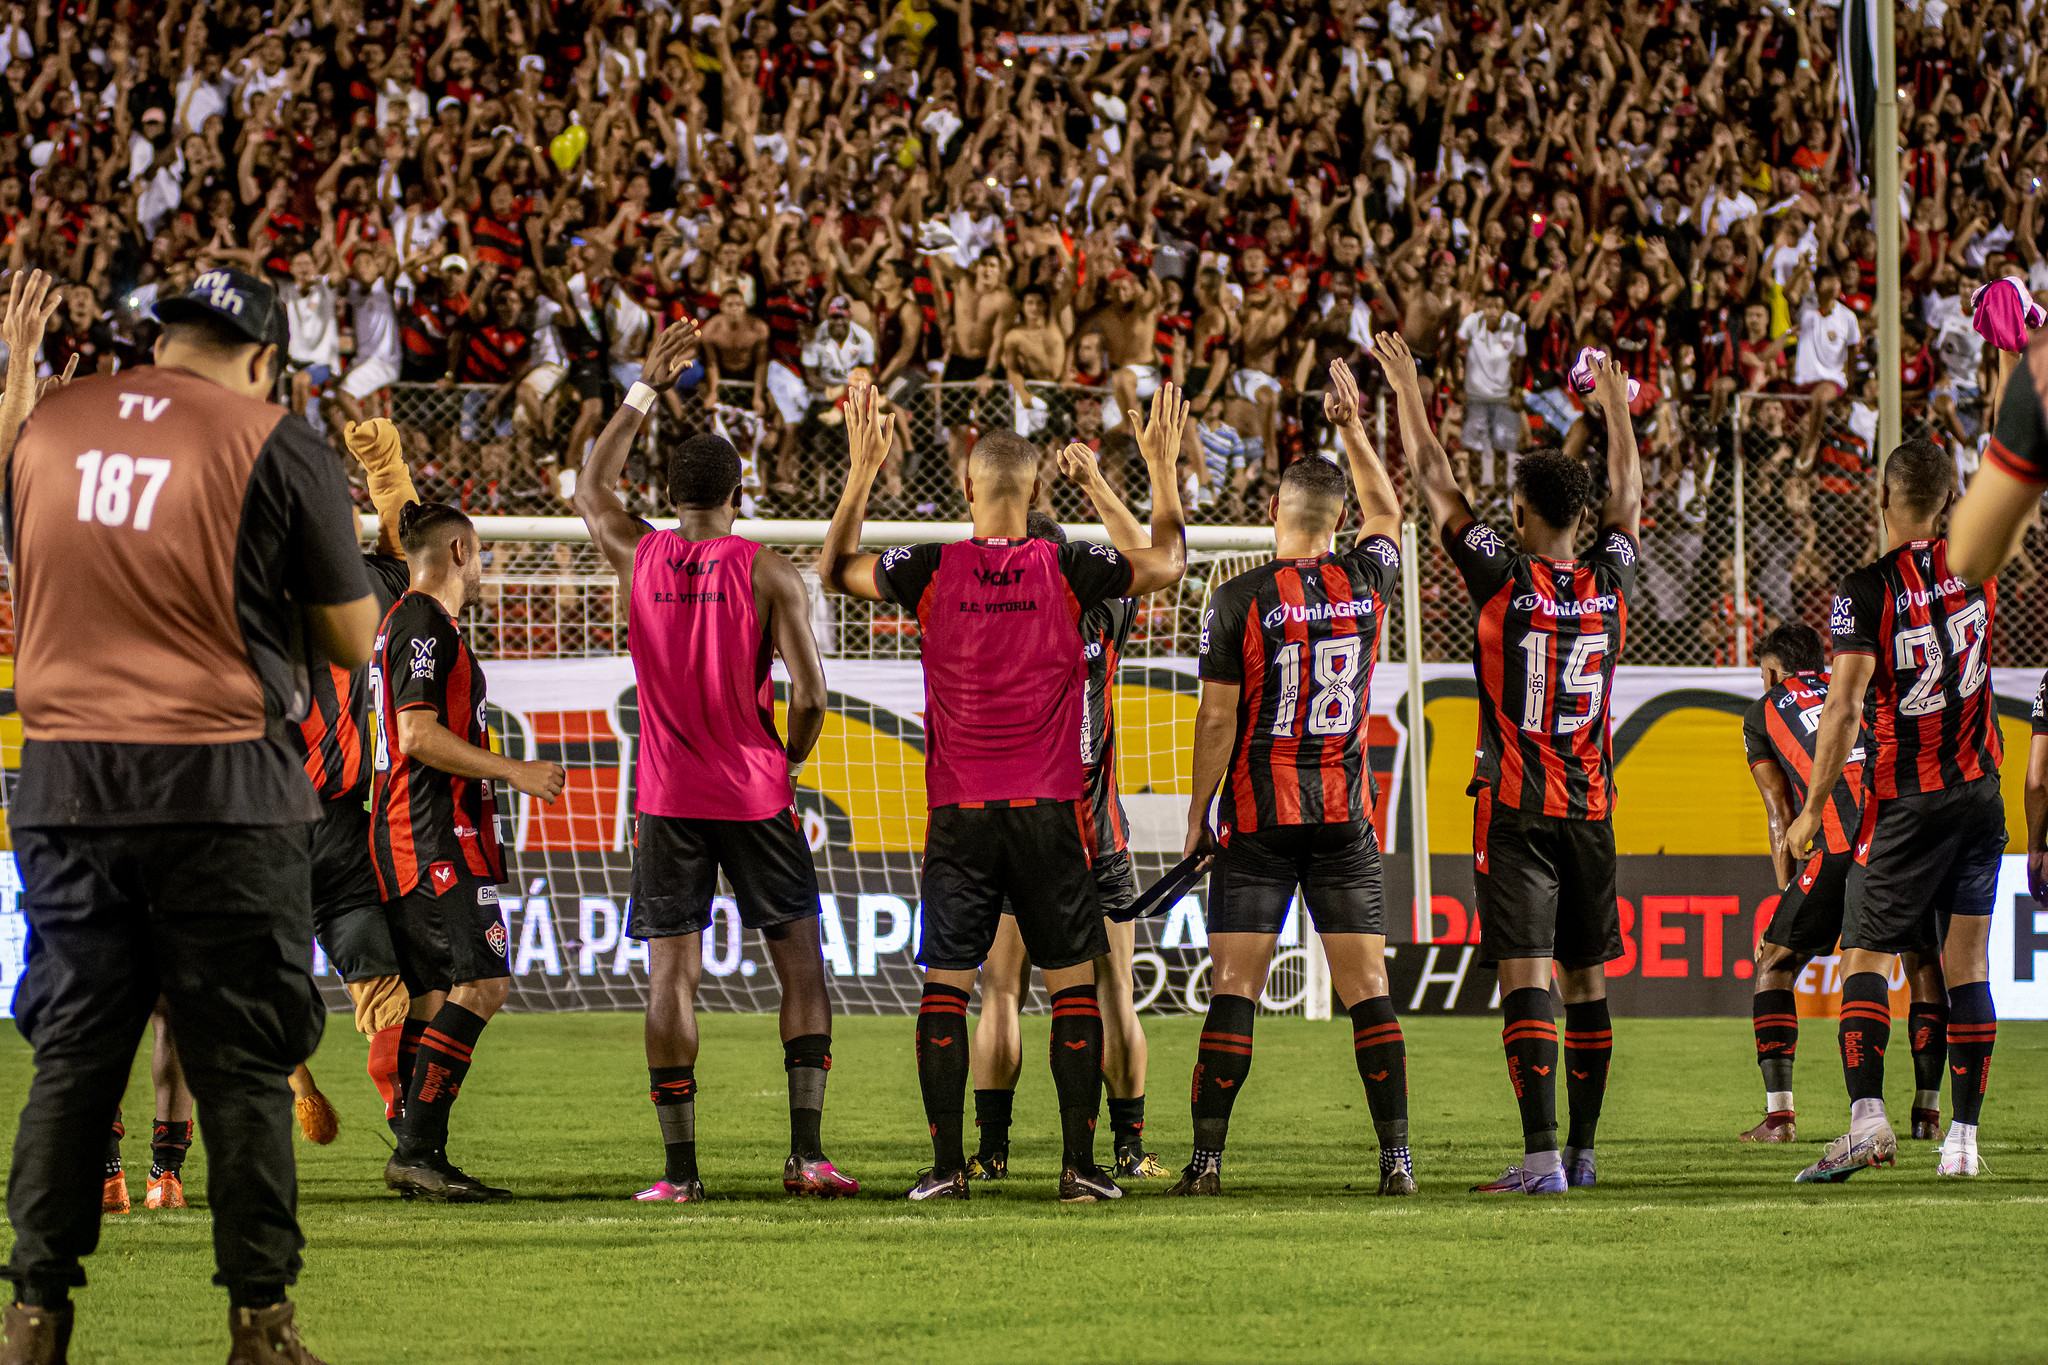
[(35, 1336), (266, 1336)]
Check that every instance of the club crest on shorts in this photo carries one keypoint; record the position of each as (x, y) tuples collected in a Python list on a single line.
[(495, 937), (442, 875)]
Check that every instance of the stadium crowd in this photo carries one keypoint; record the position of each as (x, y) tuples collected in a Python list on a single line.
[(1016, 216)]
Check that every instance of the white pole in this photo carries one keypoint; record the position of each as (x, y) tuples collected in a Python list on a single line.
[(1884, 213), (1315, 1003), (1418, 757), (1741, 546)]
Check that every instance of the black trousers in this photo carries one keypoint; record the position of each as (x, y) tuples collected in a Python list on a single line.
[(218, 919)]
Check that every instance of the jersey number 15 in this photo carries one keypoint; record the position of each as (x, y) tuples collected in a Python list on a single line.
[(1580, 677)]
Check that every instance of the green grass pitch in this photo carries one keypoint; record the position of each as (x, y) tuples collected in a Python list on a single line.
[(1692, 1248)]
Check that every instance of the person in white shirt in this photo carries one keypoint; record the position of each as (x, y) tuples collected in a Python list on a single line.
[(201, 94), (1727, 203), (314, 349), (836, 348), (1492, 343), (374, 310), (1828, 333)]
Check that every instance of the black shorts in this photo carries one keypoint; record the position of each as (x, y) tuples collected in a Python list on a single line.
[(1921, 859), (348, 913), (1038, 856), (676, 862), (964, 369), (1808, 920), (1545, 886), (1116, 883), (447, 939), (1335, 867), (588, 378)]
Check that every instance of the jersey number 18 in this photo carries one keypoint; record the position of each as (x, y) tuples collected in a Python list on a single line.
[(1333, 709)]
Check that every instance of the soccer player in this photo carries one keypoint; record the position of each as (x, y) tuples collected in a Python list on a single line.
[(434, 837), (1005, 692), (1778, 735), (2005, 495), (1551, 624), (1286, 659), (348, 911), (998, 1053), (715, 782), (1913, 663)]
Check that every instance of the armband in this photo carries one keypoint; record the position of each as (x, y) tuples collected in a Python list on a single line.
[(640, 398)]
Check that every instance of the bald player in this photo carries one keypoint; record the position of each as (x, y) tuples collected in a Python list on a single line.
[(1005, 690), (160, 820)]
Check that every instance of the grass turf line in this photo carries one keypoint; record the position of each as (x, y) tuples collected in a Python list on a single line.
[(1693, 1247)]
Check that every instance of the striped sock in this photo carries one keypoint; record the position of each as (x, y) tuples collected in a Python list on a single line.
[(674, 1092), (437, 1075), (1222, 1063), (408, 1052), (1076, 1048), (1774, 1015), (1588, 1047), (1972, 1030), (1866, 1030), (942, 1072), (1927, 1026), (1382, 1056), (1529, 1036)]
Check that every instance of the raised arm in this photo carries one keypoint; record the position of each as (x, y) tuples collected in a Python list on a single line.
[(1447, 504), (615, 530), (841, 565), (1161, 564), (1379, 510), (780, 596), (1624, 464)]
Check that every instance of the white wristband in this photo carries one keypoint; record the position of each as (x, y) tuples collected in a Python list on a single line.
[(639, 398)]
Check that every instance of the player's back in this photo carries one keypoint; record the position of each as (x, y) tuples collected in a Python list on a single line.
[(1005, 680), (1105, 635), (1783, 727), (701, 651), (329, 741), (1303, 633), (1932, 719), (1546, 638)]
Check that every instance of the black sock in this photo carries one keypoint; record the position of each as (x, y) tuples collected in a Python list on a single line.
[(1588, 1045), (1382, 1057), (1927, 1026), (942, 1071), (1077, 1071), (1127, 1124), (1221, 1066), (437, 1075), (408, 1053), (1529, 1035), (1866, 1030), (256, 1296), (168, 1143), (1972, 1029), (808, 1060), (1774, 1016), (42, 1293), (114, 1136), (992, 1119), (674, 1092)]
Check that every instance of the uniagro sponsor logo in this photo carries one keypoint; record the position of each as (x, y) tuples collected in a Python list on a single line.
[(1321, 611), (1550, 606), (1947, 588)]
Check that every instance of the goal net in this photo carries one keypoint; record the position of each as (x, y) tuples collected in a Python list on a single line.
[(550, 629)]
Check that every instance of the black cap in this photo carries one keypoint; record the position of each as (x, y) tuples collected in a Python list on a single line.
[(242, 301)]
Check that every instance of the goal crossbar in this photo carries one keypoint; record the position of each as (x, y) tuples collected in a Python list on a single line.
[(1206, 539)]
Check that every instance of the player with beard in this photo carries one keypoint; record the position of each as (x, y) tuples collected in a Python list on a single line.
[(998, 1053), (434, 837), (1551, 624), (1286, 658), (715, 784), (1005, 691), (1913, 664)]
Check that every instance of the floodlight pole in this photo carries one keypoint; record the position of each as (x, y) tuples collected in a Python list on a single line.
[(1884, 213)]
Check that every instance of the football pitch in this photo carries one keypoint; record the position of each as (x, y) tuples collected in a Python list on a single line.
[(1693, 1247)]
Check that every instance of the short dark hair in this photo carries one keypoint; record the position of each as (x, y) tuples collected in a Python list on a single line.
[(1011, 457), (421, 524), (1317, 481), (1921, 476), (1039, 526), (1557, 487), (703, 472), (1796, 646), (216, 335)]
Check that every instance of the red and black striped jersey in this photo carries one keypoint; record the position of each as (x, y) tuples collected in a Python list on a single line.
[(1783, 727), (1932, 718), (1545, 643), (1298, 637), (329, 741), (2020, 445), (1105, 634), (2041, 707), (421, 817), (1843, 464)]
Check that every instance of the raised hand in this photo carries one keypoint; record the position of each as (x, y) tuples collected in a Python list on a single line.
[(1340, 400), (673, 349), (866, 433), (1391, 350), (1610, 385), (1079, 464), (32, 300), (1159, 439)]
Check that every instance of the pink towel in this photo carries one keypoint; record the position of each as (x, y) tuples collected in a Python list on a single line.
[(1582, 373), (2004, 312)]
